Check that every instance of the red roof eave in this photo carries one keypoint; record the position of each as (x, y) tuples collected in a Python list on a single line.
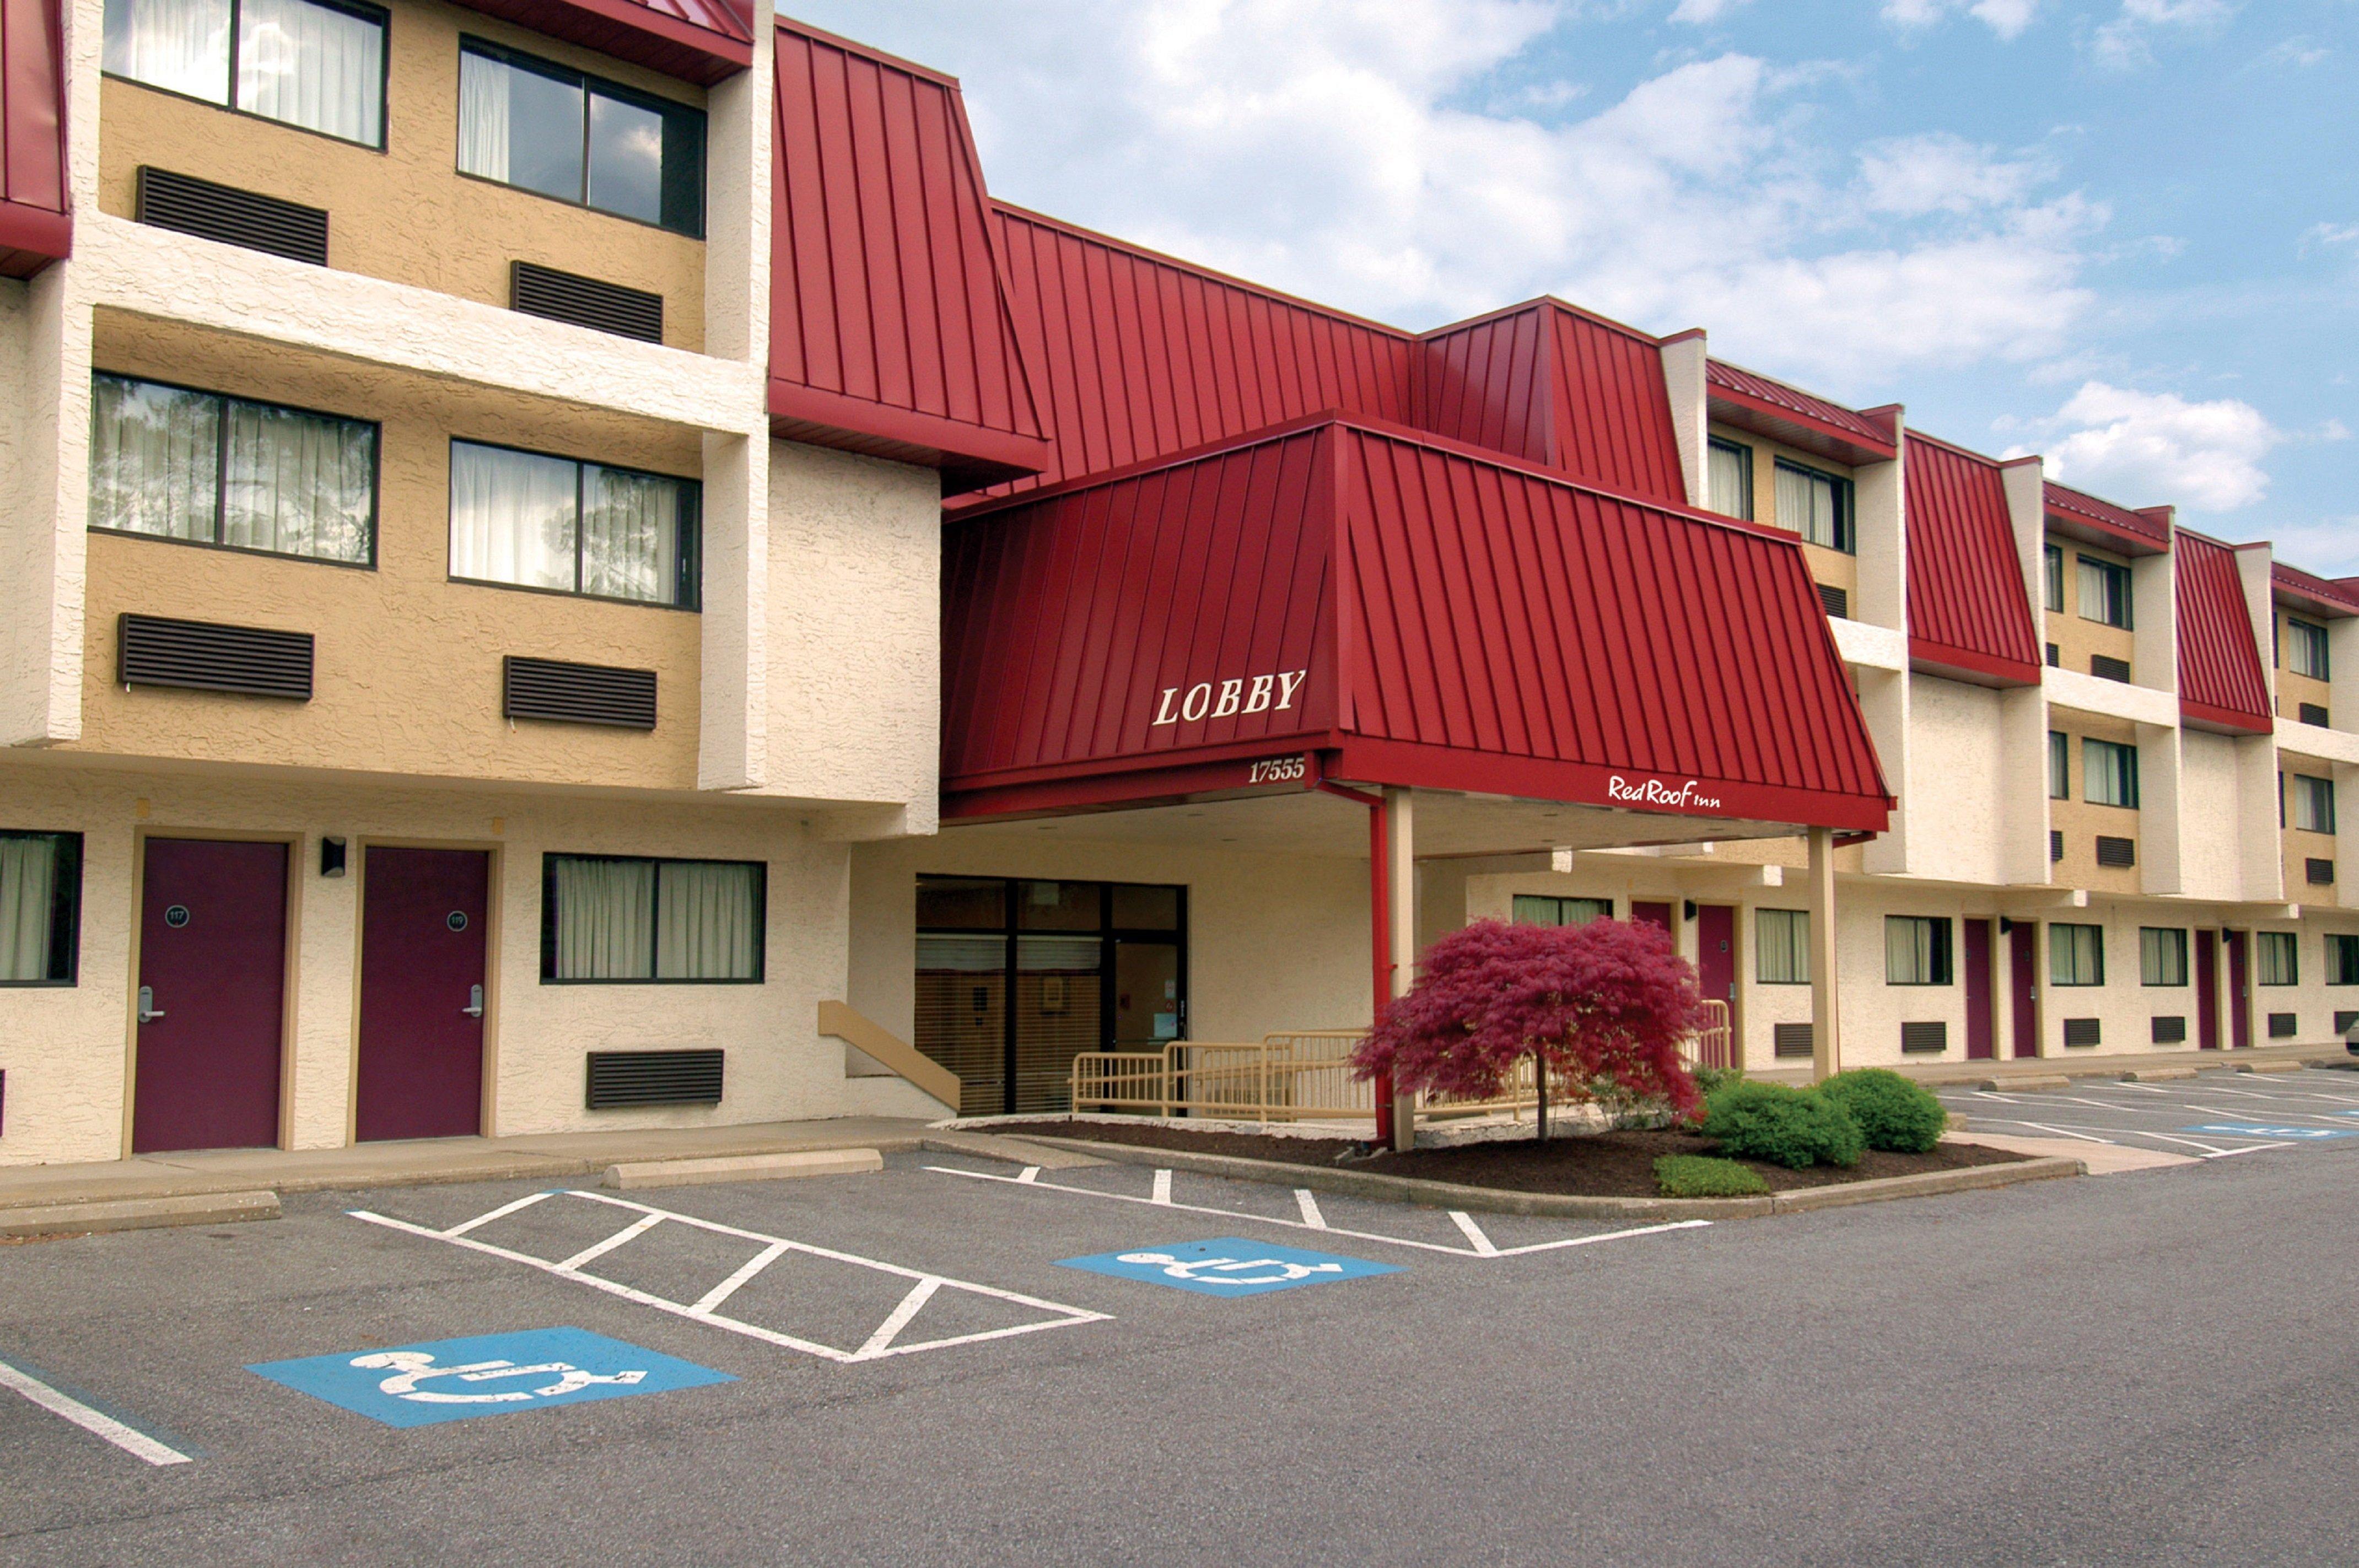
[(2226, 718), (666, 41)]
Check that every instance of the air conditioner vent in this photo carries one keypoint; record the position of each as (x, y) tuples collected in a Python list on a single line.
[(2311, 713), (2170, 1029), (2116, 850), (2106, 667), (2080, 1031), (1790, 1040), (202, 657), (1835, 601), (2319, 873), (235, 217), (580, 693), (2281, 1026), (586, 302), (1925, 1037), (654, 1078)]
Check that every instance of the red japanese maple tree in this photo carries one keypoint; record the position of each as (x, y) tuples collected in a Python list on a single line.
[(1609, 1000)]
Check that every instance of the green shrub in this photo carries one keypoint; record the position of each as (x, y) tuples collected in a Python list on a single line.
[(1892, 1112), (1701, 1176), (1793, 1127), (1710, 1080)]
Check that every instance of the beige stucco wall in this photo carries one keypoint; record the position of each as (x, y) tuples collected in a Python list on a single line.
[(406, 213), (1957, 781), (65, 1049), (408, 678)]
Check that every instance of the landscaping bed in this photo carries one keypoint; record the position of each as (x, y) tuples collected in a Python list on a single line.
[(1603, 1165)]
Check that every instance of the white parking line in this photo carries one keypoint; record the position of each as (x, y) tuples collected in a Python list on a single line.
[(704, 1309), (1309, 1204), (1327, 1229), (1473, 1233), (2211, 1150), (131, 1441)]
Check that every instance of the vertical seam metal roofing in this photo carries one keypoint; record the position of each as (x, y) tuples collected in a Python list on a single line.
[(2340, 595), (34, 227), (1967, 609), (889, 319), (1847, 423), (2103, 514), (2220, 674), (1462, 622)]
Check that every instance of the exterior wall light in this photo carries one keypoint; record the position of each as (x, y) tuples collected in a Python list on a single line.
[(332, 857)]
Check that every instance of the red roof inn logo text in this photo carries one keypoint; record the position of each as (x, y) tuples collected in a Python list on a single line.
[(1656, 792)]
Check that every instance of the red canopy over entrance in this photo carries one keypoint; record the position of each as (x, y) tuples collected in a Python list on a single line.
[(1342, 598)]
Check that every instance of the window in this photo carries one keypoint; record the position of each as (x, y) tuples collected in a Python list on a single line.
[(1782, 946), (1533, 910), (2104, 592), (2053, 558), (540, 127), (2109, 773), (2076, 955), (534, 521), (1916, 950), (2278, 958), (2162, 956), (40, 906), (1815, 506), (2059, 765), (2313, 803), (2342, 962), (612, 919), (204, 469), (2305, 646), (1731, 476), (318, 68)]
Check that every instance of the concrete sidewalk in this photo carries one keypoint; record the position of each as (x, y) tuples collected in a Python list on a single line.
[(2112, 1064)]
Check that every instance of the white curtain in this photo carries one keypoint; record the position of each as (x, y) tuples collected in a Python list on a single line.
[(1806, 504), (707, 922), (1783, 940), (1907, 950), (1731, 493), (154, 459), (181, 46), (483, 116), (297, 484), (512, 517), (606, 918), (28, 880), (630, 535), (312, 67)]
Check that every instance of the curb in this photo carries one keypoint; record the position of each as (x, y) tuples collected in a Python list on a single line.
[(1015, 1150), (138, 1213), (742, 1167), (1559, 1205), (2025, 1080), (2158, 1074)]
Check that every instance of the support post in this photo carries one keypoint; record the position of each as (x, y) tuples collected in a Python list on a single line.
[(1400, 887), (1826, 1040)]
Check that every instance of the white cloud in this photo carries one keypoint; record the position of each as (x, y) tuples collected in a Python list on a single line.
[(1939, 172), (2008, 18), (2125, 42), (1703, 12), (2157, 448), (2329, 234)]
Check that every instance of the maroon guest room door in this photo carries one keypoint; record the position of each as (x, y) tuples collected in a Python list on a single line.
[(1981, 1036), (1716, 953), (213, 991), (2023, 985), (2240, 1013), (2207, 992), (422, 978)]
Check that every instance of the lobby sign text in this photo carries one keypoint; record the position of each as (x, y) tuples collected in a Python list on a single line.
[(1244, 694)]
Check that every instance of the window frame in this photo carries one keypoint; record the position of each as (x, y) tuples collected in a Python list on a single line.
[(65, 910), (2096, 948), (2308, 788), (2341, 959), (2088, 773), (2148, 950), (690, 549), (361, 9), (2286, 944), (1761, 948), (1744, 469), (590, 83), (1846, 509), (2059, 765), (2052, 556), (1943, 953), (220, 474), (2111, 573), (548, 976), (1560, 900), (2307, 634)]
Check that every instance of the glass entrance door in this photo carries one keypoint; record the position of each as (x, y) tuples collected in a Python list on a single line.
[(1146, 1007)]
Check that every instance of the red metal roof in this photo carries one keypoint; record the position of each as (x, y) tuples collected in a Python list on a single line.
[(1558, 387), (1411, 612), (1967, 609), (1749, 398), (2220, 676), (35, 229), (890, 330), (2324, 595), (2142, 532), (1138, 356), (696, 41)]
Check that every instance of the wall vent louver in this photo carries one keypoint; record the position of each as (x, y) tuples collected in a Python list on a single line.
[(224, 212), (2344, 1020), (1836, 600), (1790, 1040), (2281, 1026), (2055, 843), (654, 1078), (2311, 713), (2080, 1031), (586, 302), (2116, 850), (2107, 668), (2169, 1028), (578, 693), (1925, 1037), (201, 657), (2319, 873)]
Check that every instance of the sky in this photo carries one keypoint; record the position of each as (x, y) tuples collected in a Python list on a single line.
[(2121, 233)]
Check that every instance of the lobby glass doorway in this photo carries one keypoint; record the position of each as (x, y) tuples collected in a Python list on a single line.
[(1016, 977)]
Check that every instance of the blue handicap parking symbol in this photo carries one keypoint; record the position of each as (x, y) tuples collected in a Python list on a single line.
[(1228, 1266), (490, 1375), (2254, 1129)]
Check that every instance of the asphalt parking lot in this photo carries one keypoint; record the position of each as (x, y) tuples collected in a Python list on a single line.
[(2210, 1117), (949, 1361)]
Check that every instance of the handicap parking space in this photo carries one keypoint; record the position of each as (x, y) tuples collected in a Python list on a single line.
[(2213, 1115)]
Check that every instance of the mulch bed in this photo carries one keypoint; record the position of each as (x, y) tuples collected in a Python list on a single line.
[(1597, 1165)]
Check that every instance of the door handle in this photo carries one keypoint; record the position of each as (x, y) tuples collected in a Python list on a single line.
[(475, 1007), (148, 1011)]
